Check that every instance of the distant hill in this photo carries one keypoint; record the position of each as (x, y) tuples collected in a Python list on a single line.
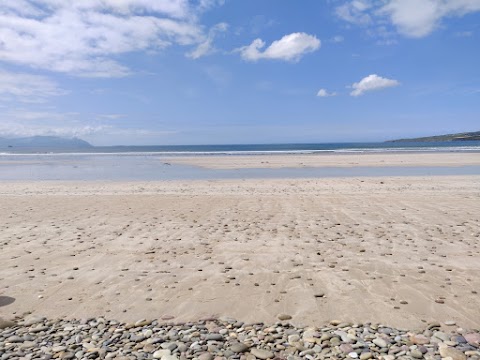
[(468, 136), (50, 142)]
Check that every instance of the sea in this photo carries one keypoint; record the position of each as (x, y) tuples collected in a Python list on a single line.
[(151, 163)]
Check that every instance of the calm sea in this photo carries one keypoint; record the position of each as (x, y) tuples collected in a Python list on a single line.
[(150, 163), (253, 149)]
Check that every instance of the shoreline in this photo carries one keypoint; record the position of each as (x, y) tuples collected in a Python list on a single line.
[(156, 168)]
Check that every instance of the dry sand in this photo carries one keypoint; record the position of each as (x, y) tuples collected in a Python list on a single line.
[(355, 249), (330, 160)]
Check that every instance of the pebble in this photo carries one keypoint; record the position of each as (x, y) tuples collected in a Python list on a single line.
[(417, 354), (419, 339), (283, 317), (239, 348), (380, 343), (221, 339), (473, 339), (6, 324), (366, 356), (261, 354), (216, 337), (160, 353), (449, 352)]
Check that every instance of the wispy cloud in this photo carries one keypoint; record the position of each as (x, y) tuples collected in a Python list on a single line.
[(110, 116), (289, 48), (24, 122), (27, 88), (218, 75), (206, 47)]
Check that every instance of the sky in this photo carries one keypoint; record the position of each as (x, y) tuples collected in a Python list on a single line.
[(164, 72)]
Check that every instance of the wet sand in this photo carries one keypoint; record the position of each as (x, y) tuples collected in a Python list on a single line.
[(330, 160)]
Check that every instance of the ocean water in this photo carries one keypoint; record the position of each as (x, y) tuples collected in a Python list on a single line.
[(176, 150), (150, 163)]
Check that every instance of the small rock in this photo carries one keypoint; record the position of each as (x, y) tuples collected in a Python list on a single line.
[(161, 353), (366, 356), (205, 356), (32, 320), (346, 348), (216, 337), (419, 339), (6, 324), (261, 354), (238, 348), (473, 339), (452, 353), (417, 354), (169, 357), (380, 342), (283, 317)]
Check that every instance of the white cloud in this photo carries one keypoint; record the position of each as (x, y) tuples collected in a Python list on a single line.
[(337, 39), (412, 18), (111, 116), (289, 48), (85, 37), (464, 34), (206, 47), (46, 121), (325, 93), (26, 87), (355, 12), (418, 18), (371, 83), (26, 122)]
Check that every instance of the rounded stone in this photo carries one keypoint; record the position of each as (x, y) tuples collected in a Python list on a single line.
[(283, 317), (366, 356), (261, 354), (238, 348), (449, 352), (6, 324)]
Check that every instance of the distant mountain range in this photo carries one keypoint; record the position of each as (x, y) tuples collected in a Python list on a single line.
[(468, 136), (51, 142)]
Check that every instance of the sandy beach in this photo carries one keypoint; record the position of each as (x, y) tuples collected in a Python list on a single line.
[(330, 160), (397, 251)]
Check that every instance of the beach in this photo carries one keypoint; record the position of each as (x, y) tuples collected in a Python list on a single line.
[(348, 159), (201, 257), (400, 251)]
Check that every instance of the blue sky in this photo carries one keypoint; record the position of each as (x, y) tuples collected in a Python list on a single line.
[(238, 71)]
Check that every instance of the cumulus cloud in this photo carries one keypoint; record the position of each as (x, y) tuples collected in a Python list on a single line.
[(27, 88), (289, 48), (325, 93), (412, 18), (371, 83), (86, 37)]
